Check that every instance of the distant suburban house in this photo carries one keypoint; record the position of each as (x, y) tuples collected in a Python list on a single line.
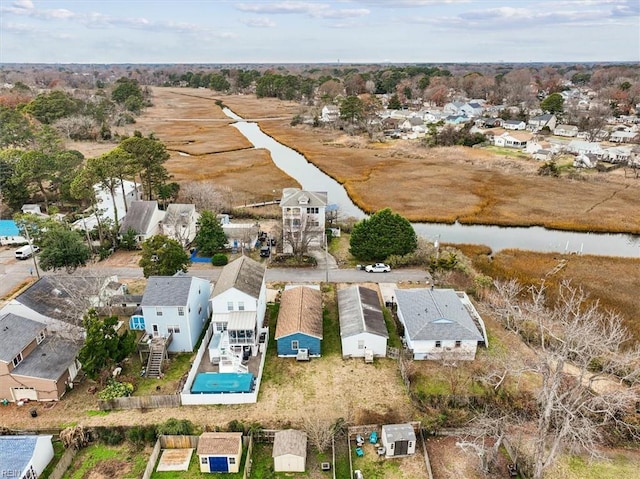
[(290, 451), (579, 147), (471, 109), (180, 223), (25, 457), (144, 218), (455, 119), (35, 364), (514, 125), (514, 139), (453, 108), (486, 122), (220, 451), (398, 440), (299, 325), (125, 194), (238, 304), (362, 328), (33, 209), (303, 218), (175, 307), (330, 113), (414, 124), (439, 323), (10, 234), (60, 301), (623, 136), (566, 130), (618, 154), (241, 236), (537, 123), (543, 155)]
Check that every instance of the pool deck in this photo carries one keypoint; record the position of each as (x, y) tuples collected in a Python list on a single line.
[(253, 364)]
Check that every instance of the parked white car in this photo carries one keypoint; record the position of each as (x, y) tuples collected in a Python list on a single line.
[(377, 268)]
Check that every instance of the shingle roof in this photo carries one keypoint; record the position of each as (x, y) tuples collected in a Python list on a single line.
[(244, 274), (290, 441), (435, 314), (292, 197), (16, 332), (138, 216), (219, 443), (360, 312), (50, 359), (300, 312), (167, 290), (17, 452), (177, 211)]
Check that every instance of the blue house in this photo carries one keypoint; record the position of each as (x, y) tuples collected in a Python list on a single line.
[(299, 326), (175, 307)]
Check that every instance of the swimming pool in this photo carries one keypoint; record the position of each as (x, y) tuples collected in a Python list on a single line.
[(217, 383)]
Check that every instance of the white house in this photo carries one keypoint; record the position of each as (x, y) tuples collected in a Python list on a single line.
[(581, 147), (513, 139), (290, 451), (174, 305), (144, 218), (303, 219), (623, 136), (25, 457), (439, 323), (566, 130), (238, 305), (107, 206), (537, 123), (220, 451), (514, 125), (398, 440), (362, 328), (330, 113), (180, 223)]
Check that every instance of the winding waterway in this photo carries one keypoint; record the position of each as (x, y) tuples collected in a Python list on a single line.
[(497, 238)]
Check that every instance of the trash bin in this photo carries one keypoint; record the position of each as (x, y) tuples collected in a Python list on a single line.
[(33, 412)]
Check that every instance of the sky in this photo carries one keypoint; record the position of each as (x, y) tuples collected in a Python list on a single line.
[(338, 31)]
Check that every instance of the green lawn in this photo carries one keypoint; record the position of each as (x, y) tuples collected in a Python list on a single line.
[(117, 461), (618, 467), (178, 365)]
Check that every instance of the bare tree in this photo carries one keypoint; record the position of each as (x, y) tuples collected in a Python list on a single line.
[(320, 432), (206, 196), (572, 337), (299, 232)]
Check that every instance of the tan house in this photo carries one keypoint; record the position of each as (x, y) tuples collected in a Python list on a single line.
[(34, 364), (290, 451), (220, 451)]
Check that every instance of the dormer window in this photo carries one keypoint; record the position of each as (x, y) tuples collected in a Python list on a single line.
[(17, 360), (40, 337), (303, 200)]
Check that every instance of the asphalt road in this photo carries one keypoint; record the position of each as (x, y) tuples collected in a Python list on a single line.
[(14, 272)]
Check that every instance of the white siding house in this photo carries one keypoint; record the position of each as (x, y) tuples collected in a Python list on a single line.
[(362, 326), (144, 218), (439, 323), (303, 218), (180, 223)]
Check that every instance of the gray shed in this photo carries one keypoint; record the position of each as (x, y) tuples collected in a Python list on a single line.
[(398, 439)]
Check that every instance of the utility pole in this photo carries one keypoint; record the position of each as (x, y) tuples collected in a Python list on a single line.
[(33, 253)]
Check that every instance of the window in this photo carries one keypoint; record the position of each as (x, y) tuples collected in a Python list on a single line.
[(40, 337), (360, 344), (158, 311), (312, 211), (17, 360), (180, 310), (295, 345), (458, 344), (232, 460), (438, 344), (296, 222), (230, 306), (204, 460), (240, 305), (174, 329)]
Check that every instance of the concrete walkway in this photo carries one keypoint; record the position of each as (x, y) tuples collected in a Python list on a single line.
[(324, 259)]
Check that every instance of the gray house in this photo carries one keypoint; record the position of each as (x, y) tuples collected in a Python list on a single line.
[(439, 323), (144, 218)]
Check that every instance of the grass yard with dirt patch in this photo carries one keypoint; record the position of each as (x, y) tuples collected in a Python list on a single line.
[(99, 461), (194, 471)]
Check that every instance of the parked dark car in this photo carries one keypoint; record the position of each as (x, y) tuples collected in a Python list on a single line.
[(265, 251)]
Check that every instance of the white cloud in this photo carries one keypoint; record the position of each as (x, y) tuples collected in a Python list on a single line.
[(261, 22), (311, 9)]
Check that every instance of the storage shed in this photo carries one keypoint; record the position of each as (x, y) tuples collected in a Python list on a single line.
[(24, 456), (362, 326), (290, 451), (220, 451), (398, 439)]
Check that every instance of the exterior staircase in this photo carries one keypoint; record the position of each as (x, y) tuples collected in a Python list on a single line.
[(154, 363)]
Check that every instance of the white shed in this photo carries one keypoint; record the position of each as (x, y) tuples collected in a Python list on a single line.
[(362, 326), (398, 439), (25, 456), (290, 451)]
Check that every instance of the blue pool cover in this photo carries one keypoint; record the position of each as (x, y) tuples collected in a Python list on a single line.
[(216, 383)]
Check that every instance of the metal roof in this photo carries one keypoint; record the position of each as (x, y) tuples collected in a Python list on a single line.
[(360, 312)]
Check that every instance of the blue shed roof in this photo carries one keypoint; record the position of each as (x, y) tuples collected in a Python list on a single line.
[(9, 228)]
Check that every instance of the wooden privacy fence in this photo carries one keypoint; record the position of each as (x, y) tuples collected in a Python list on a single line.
[(179, 442), (140, 402)]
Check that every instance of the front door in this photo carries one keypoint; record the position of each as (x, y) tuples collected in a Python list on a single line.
[(402, 448), (154, 327), (218, 464)]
